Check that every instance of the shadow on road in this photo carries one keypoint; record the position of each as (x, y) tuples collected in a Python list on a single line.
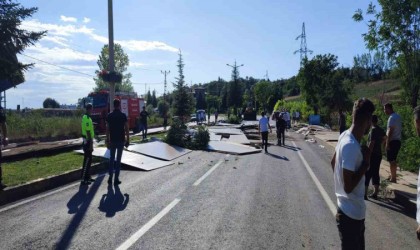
[(284, 158), (114, 201), (291, 147), (78, 205), (392, 206)]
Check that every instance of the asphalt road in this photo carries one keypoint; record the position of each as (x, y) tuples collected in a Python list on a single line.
[(204, 201)]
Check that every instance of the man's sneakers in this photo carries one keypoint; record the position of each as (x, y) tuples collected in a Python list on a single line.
[(117, 181)]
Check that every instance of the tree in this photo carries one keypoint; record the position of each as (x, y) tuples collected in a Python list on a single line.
[(322, 84), (263, 92), (154, 99), (395, 29), (149, 98), (14, 40), (163, 107), (183, 102), (50, 103), (235, 89), (121, 64)]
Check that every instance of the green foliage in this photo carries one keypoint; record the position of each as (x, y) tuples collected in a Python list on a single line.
[(201, 139), (233, 119), (183, 103), (163, 107), (395, 30), (50, 103), (176, 133), (304, 109), (263, 90), (121, 65), (20, 172), (35, 125), (409, 156), (14, 40), (323, 85), (150, 109)]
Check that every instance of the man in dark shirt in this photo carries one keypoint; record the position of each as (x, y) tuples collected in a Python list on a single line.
[(117, 136), (376, 139), (281, 125), (3, 140), (143, 119)]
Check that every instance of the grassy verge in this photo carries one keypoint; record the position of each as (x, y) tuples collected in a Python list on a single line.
[(138, 139), (19, 172)]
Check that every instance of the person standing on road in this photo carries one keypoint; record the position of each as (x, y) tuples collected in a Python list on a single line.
[(417, 124), (143, 119), (393, 142), (3, 142), (280, 127), (377, 137), (341, 121), (117, 136), (88, 134), (216, 114), (263, 127), (165, 121), (349, 164)]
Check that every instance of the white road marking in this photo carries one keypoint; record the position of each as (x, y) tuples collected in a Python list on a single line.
[(136, 236), (42, 196), (207, 174), (324, 194)]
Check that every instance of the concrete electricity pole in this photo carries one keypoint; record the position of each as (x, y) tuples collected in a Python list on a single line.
[(111, 53)]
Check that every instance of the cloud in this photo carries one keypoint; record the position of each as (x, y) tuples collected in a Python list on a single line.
[(57, 40), (86, 20), (137, 64), (136, 45), (68, 19), (59, 55)]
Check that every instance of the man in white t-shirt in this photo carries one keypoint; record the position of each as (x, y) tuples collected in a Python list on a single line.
[(263, 127), (349, 163)]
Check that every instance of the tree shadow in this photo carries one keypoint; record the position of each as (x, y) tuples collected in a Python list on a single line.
[(114, 201), (78, 205), (284, 158)]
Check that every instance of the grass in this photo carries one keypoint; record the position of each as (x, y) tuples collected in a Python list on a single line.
[(137, 139), (19, 172), (374, 90)]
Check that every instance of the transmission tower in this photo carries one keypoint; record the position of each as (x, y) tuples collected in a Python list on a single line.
[(303, 49)]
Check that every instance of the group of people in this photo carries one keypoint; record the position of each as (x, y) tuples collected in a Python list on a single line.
[(117, 136), (282, 124), (355, 164)]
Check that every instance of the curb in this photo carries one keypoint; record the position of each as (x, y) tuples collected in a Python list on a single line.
[(16, 193)]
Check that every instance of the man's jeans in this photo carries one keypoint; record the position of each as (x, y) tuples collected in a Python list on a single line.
[(115, 165), (352, 232)]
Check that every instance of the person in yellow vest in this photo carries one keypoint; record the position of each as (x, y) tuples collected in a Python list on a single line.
[(88, 134)]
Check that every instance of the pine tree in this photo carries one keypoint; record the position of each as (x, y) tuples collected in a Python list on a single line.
[(183, 100), (14, 40)]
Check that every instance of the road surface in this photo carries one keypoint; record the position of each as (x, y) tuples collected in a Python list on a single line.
[(280, 200)]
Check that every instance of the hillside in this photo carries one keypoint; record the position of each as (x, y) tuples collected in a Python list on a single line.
[(384, 91)]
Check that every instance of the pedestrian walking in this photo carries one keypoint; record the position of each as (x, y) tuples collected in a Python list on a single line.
[(263, 128), (417, 124), (3, 142), (297, 116), (349, 163), (341, 121), (208, 117), (143, 120), (280, 129), (393, 141), (216, 114), (377, 137), (117, 136), (88, 134), (287, 118)]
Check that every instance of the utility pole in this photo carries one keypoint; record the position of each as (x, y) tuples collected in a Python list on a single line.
[(266, 75), (165, 73), (111, 53), (235, 75), (303, 48)]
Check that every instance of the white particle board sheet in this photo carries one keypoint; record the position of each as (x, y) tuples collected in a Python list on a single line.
[(241, 139), (132, 159), (231, 148), (159, 150)]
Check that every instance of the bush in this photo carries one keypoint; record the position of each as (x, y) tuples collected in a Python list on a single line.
[(233, 119), (177, 133), (201, 139), (409, 156), (292, 106)]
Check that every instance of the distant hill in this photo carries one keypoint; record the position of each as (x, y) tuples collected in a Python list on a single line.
[(383, 91)]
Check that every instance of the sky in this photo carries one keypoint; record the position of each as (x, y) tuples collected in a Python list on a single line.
[(261, 35)]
